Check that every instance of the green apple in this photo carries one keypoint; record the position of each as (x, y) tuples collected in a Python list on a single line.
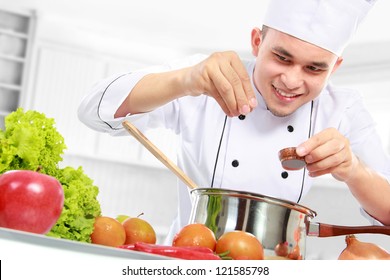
[(122, 218)]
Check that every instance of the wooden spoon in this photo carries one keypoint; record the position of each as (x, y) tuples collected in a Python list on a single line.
[(158, 154)]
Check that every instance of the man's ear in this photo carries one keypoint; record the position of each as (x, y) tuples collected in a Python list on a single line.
[(337, 64), (255, 40)]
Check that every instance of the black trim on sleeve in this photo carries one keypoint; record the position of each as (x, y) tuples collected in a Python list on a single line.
[(104, 92)]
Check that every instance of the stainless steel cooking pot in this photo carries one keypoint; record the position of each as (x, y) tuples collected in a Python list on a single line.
[(280, 225)]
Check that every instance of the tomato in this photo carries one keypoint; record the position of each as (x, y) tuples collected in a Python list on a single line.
[(108, 231), (30, 201), (240, 245), (197, 235)]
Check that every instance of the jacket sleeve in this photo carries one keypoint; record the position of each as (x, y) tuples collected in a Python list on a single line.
[(98, 107)]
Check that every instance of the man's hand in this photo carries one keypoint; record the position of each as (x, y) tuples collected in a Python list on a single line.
[(223, 77), (329, 152)]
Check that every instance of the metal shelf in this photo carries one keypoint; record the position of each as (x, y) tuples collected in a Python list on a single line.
[(16, 29), (12, 58), (4, 113), (11, 86), (14, 34)]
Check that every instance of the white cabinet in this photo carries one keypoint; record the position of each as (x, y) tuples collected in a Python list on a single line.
[(16, 33)]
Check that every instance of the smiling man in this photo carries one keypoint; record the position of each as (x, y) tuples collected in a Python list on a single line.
[(233, 116), (289, 72)]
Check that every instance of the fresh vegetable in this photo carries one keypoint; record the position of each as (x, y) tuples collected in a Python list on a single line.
[(108, 231), (358, 250), (195, 235), (81, 206), (214, 207), (240, 245), (31, 141), (139, 230), (30, 201), (187, 253), (281, 249)]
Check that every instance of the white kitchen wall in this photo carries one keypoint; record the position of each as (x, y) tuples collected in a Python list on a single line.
[(80, 41)]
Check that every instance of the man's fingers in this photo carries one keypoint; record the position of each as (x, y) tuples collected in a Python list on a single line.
[(245, 85), (224, 91), (318, 140), (235, 94), (214, 93), (229, 77)]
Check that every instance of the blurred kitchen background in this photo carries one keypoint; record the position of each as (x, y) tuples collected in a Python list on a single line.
[(52, 52)]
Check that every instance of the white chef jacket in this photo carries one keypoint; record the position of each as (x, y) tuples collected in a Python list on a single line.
[(248, 145)]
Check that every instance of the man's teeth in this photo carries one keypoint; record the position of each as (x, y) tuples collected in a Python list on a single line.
[(284, 94)]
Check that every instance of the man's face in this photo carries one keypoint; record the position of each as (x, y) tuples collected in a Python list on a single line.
[(289, 72)]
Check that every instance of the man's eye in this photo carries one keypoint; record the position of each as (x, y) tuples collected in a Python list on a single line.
[(314, 69), (280, 57)]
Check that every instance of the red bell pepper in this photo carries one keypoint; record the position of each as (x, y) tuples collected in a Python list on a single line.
[(187, 253)]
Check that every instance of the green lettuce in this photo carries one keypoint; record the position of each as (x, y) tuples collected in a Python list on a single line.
[(31, 141), (80, 206)]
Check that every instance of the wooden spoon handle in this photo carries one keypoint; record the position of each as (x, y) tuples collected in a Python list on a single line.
[(158, 154), (326, 230)]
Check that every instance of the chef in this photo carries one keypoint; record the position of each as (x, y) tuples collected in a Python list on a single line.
[(233, 116)]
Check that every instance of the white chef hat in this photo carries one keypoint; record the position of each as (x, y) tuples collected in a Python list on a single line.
[(329, 24)]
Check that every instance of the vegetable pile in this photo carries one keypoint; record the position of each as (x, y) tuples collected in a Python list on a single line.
[(198, 242), (31, 141)]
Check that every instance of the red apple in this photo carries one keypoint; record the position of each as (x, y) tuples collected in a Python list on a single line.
[(30, 201)]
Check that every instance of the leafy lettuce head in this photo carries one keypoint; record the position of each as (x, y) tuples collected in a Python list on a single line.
[(80, 206), (30, 141)]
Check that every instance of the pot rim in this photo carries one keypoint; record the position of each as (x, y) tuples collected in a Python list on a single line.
[(255, 196)]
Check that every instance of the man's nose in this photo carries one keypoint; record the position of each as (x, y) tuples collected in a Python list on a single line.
[(292, 77)]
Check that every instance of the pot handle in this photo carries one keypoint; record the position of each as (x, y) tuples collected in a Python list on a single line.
[(326, 230)]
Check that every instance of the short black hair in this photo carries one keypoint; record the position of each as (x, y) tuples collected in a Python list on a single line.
[(264, 30)]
